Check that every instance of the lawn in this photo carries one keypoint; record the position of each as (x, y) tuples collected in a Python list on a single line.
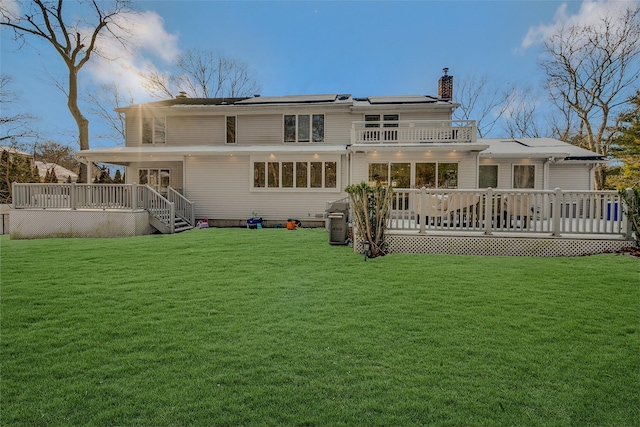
[(274, 327)]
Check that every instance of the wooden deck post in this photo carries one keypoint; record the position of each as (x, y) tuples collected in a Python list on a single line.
[(556, 212), (134, 196), (488, 211), (423, 210), (73, 196)]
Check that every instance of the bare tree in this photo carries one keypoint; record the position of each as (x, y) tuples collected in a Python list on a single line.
[(74, 41), (104, 103), (589, 69), (203, 74), (482, 101), (522, 118), (15, 125)]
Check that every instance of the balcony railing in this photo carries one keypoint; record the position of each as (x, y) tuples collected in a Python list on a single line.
[(542, 212), (413, 131)]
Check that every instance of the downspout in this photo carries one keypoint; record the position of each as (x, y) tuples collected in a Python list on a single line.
[(545, 173)]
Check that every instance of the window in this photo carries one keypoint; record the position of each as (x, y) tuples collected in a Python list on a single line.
[(231, 129), (397, 175), (488, 176), (158, 179), (524, 176), (317, 175), (378, 174), (153, 130), (373, 121), (259, 175), (304, 128), (274, 174), (436, 175), (425, 175), (287, 174), (447, 175)]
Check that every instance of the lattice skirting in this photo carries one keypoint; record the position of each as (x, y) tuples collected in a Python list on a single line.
[(40, 224), (498, 245)]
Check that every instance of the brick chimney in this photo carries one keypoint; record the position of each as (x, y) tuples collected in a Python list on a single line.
[(445, 86)]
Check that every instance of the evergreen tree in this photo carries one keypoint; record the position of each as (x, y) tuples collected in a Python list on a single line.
[(14, 168), (626, 149), (117, 179)]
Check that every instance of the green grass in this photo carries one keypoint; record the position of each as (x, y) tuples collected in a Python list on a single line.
[(276, 327)]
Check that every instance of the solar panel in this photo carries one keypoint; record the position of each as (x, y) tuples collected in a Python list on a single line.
[(289, 99)]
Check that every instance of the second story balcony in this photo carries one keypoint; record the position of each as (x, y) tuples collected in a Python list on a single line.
[(413, 131)]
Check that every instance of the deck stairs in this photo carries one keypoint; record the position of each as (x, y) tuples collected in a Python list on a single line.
[(180, 225)]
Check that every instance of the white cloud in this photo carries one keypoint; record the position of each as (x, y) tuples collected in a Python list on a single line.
[(147, 42), (10, 10), (591, 12)]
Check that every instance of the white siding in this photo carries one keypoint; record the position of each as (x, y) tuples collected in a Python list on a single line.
[(569, 177), (196, 130), (220, 188), (133, 130), (337, 128), (260, 129)]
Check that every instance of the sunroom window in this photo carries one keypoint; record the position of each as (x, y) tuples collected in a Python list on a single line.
[(488, 176), (436, 175), (292, 175), (524, 176)]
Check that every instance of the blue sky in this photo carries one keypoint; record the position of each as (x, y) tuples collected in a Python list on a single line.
[(358, 47)]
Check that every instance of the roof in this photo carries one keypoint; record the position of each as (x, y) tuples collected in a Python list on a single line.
[(61, 172), (536, 147), (326, 99), (13, 150)]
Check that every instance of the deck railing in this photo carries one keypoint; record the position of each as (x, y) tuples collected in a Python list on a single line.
[(105, 196), (553, 213), (413, 131), (73, 196), (183, 206)]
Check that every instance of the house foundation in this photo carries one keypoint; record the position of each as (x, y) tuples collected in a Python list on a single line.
[(51, 223)]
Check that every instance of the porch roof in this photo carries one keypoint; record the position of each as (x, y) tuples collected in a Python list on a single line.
[(153, 152), (537, 148)]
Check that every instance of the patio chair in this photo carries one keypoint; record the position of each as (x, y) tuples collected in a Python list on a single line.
[(517, 207), (462, 207), (437, 208)]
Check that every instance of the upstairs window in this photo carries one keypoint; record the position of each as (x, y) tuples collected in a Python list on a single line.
[(387, 120), (153, 130), (304, 128), (231, 129)]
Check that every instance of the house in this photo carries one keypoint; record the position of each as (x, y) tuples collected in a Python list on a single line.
[(284, 157), (62, 174)]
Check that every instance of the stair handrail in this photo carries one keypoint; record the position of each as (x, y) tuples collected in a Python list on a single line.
[(157, 205), (184, 207)]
